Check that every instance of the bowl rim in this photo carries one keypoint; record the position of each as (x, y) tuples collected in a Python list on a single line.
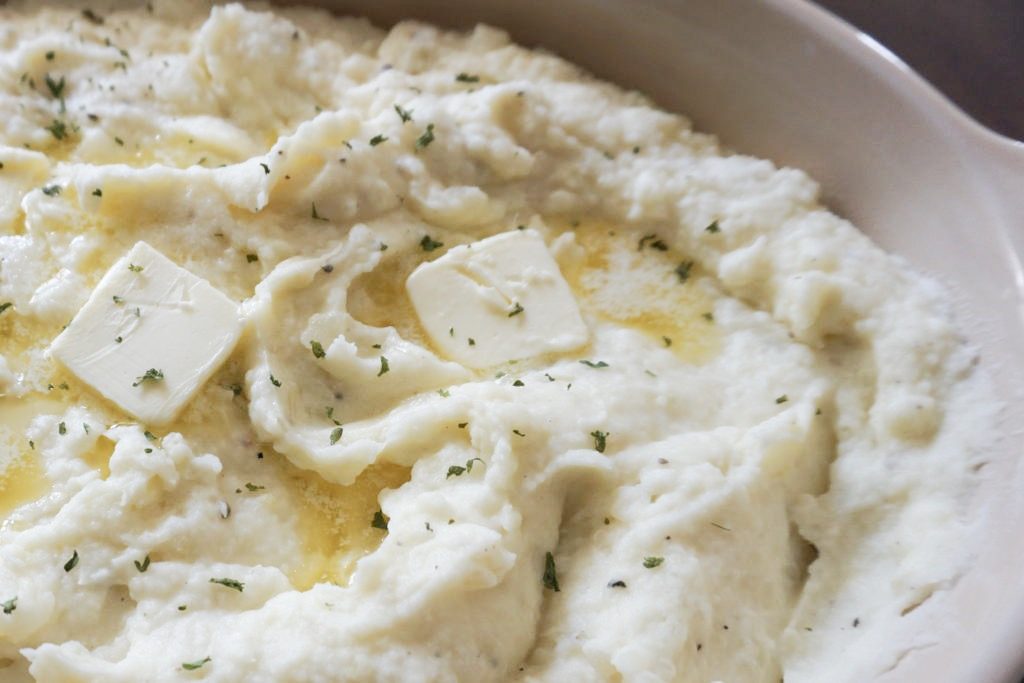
[(997, 156), (999, 160)]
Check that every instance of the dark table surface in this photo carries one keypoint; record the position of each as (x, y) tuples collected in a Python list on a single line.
[(971, 50)]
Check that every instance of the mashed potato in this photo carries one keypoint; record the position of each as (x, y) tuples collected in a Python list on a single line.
[(334, 353)]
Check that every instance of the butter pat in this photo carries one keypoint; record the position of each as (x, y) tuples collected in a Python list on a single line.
[(496, 300), (150, 335)]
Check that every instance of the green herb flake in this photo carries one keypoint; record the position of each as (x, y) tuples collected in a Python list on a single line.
[(600, 440), (275, 381), (120, 143), (192, 666), (443, 393), (517, 432), (667, 341), (459, 470), (516, 310), (428, 136), (56, 87), (377, 139), (10, 605), (142, 566), (253, 488), (50, 55), (5, 305), (58, 129), (781, 399), (380, 521), (467, 78), (92, 17), (230, 583), (384, 367), (266, 169), (591, 364), (62, 429), (683, 270), (150, 436), (317, 348), (73, 562), (713, 228), (550, 573), (653, 242), (182, 608), (462, 425), (252, 258), (429, 244), (51, 190), (316, 216), (336, 434), (471, 341), (652, 562), (709, 316), (152, 375), (404, 114), (134, 268)]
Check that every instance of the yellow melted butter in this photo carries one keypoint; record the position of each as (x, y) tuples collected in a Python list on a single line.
[(613, 282), (98, 457), (639, 288), (379, 299), (19, 335), (22, 479), (334, 521)]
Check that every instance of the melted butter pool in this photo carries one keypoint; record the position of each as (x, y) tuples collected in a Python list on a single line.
[(334, 521), (378, 298), (640, 288), (22, 478), (21, 481)]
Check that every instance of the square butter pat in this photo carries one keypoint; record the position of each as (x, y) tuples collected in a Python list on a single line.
[(150, 335), (496, 300)]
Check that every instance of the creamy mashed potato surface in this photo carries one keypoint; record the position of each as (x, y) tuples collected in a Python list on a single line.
[(333, 353)]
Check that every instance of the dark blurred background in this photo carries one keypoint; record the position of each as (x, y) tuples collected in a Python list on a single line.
[(971, 50)]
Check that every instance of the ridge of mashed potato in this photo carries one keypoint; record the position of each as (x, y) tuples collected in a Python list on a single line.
[(756, 467)]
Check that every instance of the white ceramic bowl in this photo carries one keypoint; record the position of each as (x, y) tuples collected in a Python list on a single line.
[(785, 80)]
